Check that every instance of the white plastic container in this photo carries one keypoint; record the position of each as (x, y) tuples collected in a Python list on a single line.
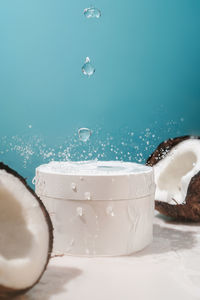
[(98, 208)]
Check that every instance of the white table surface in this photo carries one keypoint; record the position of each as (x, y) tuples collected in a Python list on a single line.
[(168, 269)]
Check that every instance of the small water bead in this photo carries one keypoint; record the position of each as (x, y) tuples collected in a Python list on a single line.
[(92, 12), (79, 211), (109, 211), (87, 68), (72, 242), (84, 134), (74, 187), (87, 196), (87, 251)]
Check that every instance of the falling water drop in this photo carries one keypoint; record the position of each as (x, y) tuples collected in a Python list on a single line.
[(84, 134), (92, 12), (87, 68)]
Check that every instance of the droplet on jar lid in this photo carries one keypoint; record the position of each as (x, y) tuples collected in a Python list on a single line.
[(79, 211), (87, 196), (109, 211), (74, 187)]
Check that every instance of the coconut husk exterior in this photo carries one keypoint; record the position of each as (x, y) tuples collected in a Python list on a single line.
[(9, 293), (190, 210)]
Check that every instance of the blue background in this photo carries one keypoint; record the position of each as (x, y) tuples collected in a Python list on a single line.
[(147, 79)]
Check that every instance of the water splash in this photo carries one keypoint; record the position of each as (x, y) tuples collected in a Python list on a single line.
[(30, 150), (92, 12), (88, 68)]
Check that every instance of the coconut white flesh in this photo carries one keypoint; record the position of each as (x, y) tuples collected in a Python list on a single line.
[(174, 172), (24, 235)]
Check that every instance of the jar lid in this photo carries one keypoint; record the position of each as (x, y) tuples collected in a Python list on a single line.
[(94, 180)]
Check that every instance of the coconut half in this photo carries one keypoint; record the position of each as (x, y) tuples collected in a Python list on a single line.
[(176, 165), (26, 235)]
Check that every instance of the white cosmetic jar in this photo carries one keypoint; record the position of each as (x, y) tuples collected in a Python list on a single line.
[(98, 208)]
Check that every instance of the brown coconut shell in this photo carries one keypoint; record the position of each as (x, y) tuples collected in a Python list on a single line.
[(7, 292), (190, 209), (164, 147)]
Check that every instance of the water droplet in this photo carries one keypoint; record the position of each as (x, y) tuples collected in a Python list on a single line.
[(30, 126), (79, 211), (84, 134), (70, 246), (87, 196), (34, 181), (92, 12), (72, 242), (74, 187), (87, 68), (109, 211)]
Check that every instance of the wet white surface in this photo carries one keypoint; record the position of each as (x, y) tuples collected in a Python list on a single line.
[(168, 269)]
